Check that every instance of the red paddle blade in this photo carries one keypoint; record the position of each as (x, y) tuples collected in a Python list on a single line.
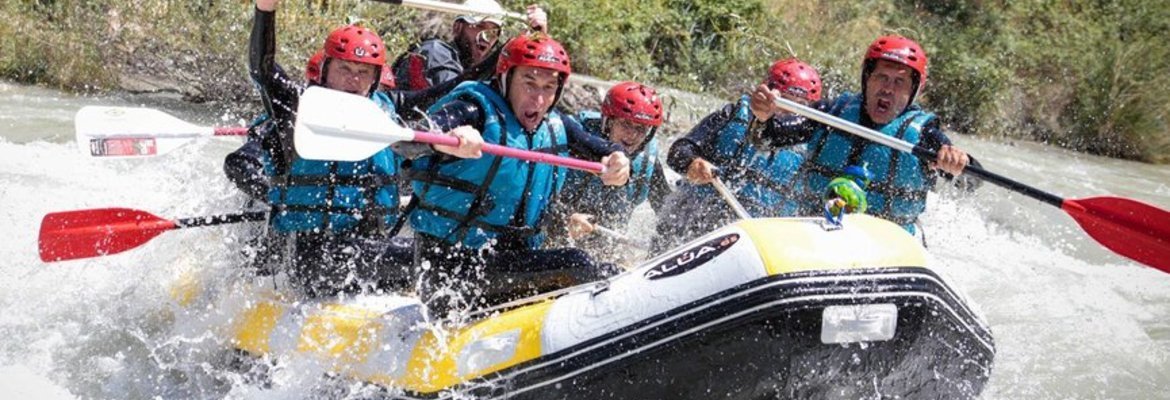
[(1128, 227), (77, 234)]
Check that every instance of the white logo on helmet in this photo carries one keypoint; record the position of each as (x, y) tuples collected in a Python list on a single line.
[(796, 91), (893, 56), (644, 116), (548, 58), (359, 51)]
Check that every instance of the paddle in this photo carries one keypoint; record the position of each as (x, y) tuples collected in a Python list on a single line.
[(466, 8), (1128, 227), (70, 235), (334, 125), (730, 199), (129, 132)]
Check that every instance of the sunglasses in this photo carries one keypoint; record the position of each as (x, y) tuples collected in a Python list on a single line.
[(488, 36)]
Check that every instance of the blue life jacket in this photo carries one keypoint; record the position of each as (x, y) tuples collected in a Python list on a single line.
[(473, 201), (898, 189), (336, 196), (616, 203), (761, 179)]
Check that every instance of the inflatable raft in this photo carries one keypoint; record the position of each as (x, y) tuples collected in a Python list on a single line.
[(766, 308)]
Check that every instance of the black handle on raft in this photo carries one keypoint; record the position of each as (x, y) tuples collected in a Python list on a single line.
[(221, 219), (1002, 181)]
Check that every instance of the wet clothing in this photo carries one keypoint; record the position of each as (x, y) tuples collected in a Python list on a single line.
[(760, 176), (334, 219), (432, 62), (485, 214), (320, 262), (474, 201), (900, 181), (611, 206)]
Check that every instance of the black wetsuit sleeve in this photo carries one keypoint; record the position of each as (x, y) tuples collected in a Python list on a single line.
[(583, 144), (449, 116), (933, 138), (458, 113), (699, 142), (245, 168), (421, 100), (792, 129), (278, 93), (660, 188)]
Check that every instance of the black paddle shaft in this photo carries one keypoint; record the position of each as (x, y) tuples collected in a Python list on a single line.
[(221, 219), (998, 179)]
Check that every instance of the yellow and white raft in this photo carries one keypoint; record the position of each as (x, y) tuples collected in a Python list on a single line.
[(762, 308)]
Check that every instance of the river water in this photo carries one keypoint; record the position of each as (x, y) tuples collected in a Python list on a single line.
[(1071, 320)]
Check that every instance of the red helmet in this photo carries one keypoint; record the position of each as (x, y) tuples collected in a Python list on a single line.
[(313, 68), (387, 80), (357, 44), (901, 50), (534, 50), (633, 101), (794, 77)]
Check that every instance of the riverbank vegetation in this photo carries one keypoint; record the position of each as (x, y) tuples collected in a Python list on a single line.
[(1084, 75)]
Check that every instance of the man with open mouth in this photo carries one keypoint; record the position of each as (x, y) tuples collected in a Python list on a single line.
[(478, 220), (893, 75)]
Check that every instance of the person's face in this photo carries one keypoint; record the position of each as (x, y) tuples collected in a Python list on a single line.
[(477, 39), (786, 95), (888, 91), (349, 76), (628, 133), (531, 93)]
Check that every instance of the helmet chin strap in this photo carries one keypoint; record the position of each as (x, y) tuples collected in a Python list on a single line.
[(503, 81)]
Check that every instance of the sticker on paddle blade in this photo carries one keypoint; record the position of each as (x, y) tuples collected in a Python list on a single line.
[(122, 147), (692, 258)]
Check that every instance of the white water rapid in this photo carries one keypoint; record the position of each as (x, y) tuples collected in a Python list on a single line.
[(1071, 320)]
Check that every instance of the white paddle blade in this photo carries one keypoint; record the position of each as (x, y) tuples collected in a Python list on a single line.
[(469, 7), (128, 132), (338, 126)]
